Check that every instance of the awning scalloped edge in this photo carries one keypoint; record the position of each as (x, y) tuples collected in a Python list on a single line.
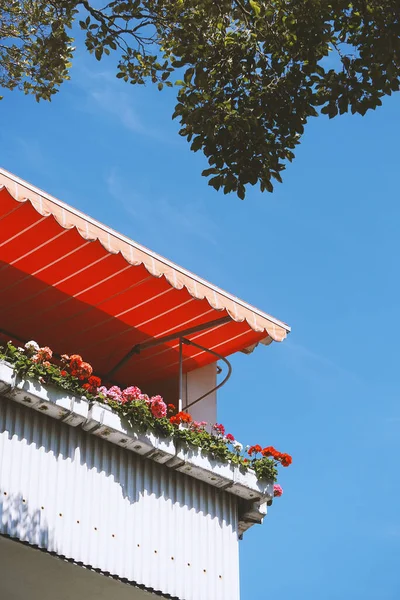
[(136, 255)]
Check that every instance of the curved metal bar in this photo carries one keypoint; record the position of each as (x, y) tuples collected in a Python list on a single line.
[(220, 357)]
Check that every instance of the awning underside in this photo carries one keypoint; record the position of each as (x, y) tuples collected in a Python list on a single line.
[(77, 287)]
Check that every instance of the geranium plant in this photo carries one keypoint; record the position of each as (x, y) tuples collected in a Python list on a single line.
[(145, 413)]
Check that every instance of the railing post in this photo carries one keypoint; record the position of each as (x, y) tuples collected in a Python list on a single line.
[(180, 402)]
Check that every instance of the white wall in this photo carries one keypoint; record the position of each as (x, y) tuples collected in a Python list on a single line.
[(197, 383), (84, 498)]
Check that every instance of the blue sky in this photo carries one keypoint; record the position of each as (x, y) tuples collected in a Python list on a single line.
[(321, 253)]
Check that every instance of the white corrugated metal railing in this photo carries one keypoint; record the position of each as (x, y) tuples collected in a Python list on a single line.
[(81, 497)]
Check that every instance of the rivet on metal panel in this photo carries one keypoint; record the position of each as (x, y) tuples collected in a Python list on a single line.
[(78, 522), (220, 576), (204, 570), (5, 493), (95, 528), (155, 551), (24, 500), (42, 507), (213, 478), (123, 441), (113, 535), (188, 564), (172, 558), (60, 515), (137, 447), (138, 545)]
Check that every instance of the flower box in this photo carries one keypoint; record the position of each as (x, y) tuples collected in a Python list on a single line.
[(98, 419)]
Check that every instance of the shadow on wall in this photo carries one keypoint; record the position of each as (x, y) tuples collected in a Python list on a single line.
[(88, 464), (18, 520)]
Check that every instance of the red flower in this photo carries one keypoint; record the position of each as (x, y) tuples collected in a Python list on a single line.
[(94, 381), (254, 450), (180, 417), (245, 460), (85, 369), (86, 386), (230, 437), (75, 361), (63, 373), (270, 451), (285, 459), (171, 408)]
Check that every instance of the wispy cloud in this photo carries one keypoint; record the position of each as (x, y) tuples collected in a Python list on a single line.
[(162, 215), (29, 149), (107, 95), (120, 106), (315, 366)]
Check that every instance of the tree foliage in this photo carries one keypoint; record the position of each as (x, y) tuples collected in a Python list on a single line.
[(249, 73)]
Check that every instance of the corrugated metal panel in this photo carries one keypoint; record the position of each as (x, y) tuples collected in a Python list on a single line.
[(96, 503)]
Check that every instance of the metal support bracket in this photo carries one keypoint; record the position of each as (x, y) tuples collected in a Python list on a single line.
[(162, 340)]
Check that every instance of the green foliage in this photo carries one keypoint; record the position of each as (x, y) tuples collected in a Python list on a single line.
[(254, 72), (35, 45), (265, 468)]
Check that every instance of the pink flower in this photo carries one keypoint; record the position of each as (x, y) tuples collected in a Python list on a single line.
[(199, 424), (114, 393), (219, 429), (45, 353), (158, 407), (102, 390), (278, 491), (131, 393), (145, 398)]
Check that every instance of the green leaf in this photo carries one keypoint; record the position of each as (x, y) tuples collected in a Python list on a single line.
[(255, 6), (196, 144)]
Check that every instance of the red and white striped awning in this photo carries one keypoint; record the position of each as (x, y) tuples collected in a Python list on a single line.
[(72, 283)]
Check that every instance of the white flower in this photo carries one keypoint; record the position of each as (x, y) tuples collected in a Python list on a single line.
[(31, 347), (247, 448), (20, 349), (238, 446)]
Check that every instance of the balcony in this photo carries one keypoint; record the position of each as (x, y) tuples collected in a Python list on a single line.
[(79, 481)]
